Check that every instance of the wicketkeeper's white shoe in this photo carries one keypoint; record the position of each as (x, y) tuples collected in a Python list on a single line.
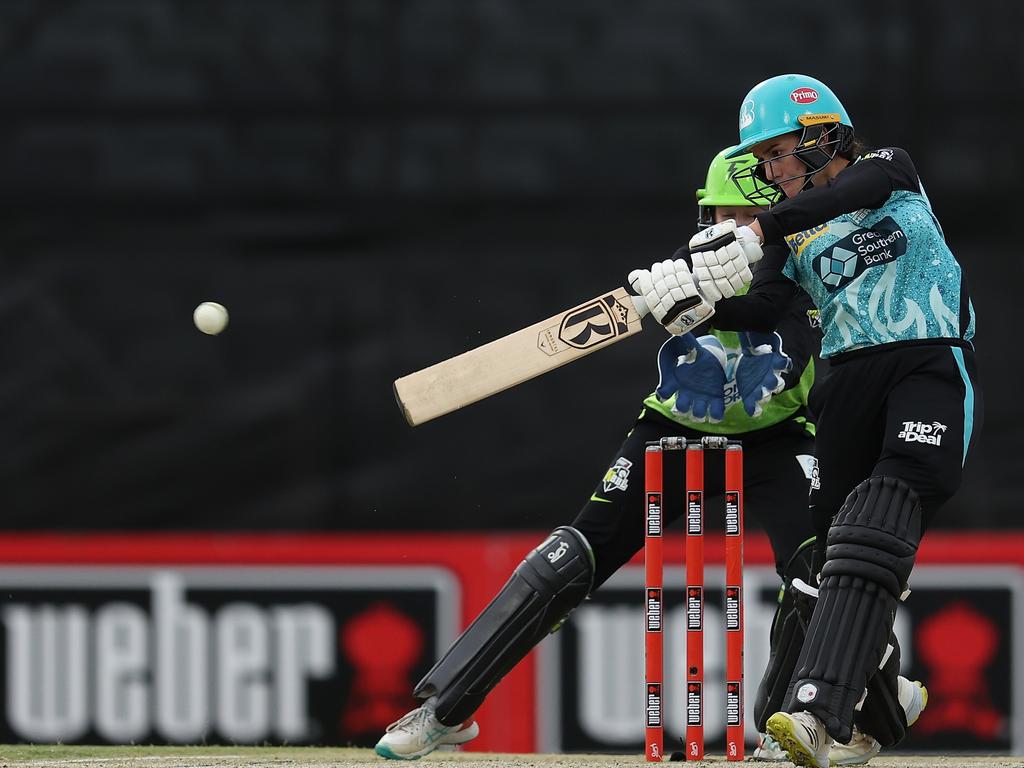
[(768, 750), (913, 698), (419, 733), (862, 747), (802, 736), (857, 751)]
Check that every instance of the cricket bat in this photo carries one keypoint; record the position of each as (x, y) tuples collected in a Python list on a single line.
[(518, 357)]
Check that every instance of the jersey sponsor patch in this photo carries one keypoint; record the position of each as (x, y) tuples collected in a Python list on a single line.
[(800, 240), (809, 465), (881, 154), (617, 476), (929, 433), (863, 248)]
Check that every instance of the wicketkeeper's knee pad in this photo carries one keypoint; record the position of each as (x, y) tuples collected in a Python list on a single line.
[(870, 552), (552, 580)]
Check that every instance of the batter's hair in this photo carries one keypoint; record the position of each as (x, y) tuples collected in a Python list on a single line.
[(856, 148)]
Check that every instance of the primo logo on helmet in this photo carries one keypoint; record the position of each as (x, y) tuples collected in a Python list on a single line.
[(804, 95)]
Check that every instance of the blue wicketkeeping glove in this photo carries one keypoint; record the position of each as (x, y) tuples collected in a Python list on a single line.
[(693, 370), (759, 371)]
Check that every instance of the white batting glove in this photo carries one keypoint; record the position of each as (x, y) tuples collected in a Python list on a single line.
[(722, 256), (670, 293)]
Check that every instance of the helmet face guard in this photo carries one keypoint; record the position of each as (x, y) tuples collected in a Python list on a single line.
[(705, 216), (819, 143)]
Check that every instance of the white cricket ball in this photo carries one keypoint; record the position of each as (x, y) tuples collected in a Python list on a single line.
[(210, 317)]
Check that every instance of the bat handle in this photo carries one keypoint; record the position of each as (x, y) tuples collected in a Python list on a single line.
[(640, 305)]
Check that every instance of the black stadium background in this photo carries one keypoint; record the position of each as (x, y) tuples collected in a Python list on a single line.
[(371, 186)]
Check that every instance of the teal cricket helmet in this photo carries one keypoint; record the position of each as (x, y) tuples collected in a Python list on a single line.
[(784, 104)]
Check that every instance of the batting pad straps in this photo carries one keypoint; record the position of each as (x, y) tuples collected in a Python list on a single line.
[(551, 581), (882, 716)]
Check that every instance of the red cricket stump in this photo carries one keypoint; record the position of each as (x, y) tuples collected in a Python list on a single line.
[(654, 733), (654, 607), (694, 601), (734, 601)]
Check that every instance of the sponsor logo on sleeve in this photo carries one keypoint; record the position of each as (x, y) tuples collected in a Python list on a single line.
[(881, 154), (929, 433), (797, 242)]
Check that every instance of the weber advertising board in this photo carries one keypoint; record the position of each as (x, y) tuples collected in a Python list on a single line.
[(216, 655), (962, 632)]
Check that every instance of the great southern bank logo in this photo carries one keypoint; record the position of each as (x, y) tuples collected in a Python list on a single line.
[(858, 249)]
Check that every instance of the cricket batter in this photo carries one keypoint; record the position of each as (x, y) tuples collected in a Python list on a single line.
[(750, 385), (898, 412)]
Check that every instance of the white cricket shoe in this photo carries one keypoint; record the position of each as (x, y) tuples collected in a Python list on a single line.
[(768, 750), (913, 698), (802, 736), (419, 733), (857, 751), (861, 748)]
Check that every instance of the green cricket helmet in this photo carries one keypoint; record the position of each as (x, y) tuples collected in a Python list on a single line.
[(721, 187), (789, 104)]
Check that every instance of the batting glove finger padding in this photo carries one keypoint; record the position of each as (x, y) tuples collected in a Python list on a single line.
[(671, 295), (722, 256)]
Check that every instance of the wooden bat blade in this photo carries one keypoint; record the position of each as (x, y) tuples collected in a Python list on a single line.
[(518, 357)]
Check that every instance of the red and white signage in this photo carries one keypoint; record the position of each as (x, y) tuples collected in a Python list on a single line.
[(319, 639)]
